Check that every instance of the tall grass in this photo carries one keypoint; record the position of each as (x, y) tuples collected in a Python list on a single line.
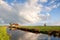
[(3, 33)]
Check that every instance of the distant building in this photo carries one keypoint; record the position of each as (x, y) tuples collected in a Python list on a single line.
[(14, 25)]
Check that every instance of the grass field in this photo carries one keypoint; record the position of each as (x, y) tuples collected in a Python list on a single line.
[(43, 28), (3, 33)]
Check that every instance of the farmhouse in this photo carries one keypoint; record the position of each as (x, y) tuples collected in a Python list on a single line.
[(14, 25)]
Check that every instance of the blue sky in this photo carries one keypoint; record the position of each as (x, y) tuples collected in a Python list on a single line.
[(43, 11), (55, 13)]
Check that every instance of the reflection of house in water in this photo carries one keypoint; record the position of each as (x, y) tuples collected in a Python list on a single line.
[(14, 25)]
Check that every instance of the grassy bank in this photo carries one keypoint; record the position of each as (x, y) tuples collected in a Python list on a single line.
[(3, 33), (43, 28)]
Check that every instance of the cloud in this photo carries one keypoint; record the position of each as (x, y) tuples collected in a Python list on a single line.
[(44, 16), (27, 13), (31, 11), (43, 1), (7, 13), (52, 1), (1, 21), (5, 5), (21, 13), (48, 9)]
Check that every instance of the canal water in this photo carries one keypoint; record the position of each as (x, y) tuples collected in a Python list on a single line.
[(22, 35)]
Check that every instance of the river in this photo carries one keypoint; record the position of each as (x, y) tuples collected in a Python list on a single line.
[(22, 35)]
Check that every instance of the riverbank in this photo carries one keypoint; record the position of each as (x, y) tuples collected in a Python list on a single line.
[(3, 33), (42, 28), (49, 30)]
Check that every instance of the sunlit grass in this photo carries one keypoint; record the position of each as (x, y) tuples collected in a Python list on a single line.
[(3, 33)]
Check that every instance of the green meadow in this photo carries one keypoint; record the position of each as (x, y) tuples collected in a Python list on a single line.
[(3, 33), (43, 28)]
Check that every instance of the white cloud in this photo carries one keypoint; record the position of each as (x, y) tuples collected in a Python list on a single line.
[(5, 5), (52, 2), (48, 9), (51, 7), (43, 0), (21, 13), (48, 14), (27, 13), (1, 21), (44, 17), (31, 11)]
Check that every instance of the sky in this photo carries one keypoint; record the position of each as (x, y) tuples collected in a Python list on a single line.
[(30, 12)]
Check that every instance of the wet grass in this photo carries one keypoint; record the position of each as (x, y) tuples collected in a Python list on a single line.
[(3, 33)]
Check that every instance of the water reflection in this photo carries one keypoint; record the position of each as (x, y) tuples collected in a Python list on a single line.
[(22, 35), (54, 38)]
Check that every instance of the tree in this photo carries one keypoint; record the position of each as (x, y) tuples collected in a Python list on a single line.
[(45, 24)]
